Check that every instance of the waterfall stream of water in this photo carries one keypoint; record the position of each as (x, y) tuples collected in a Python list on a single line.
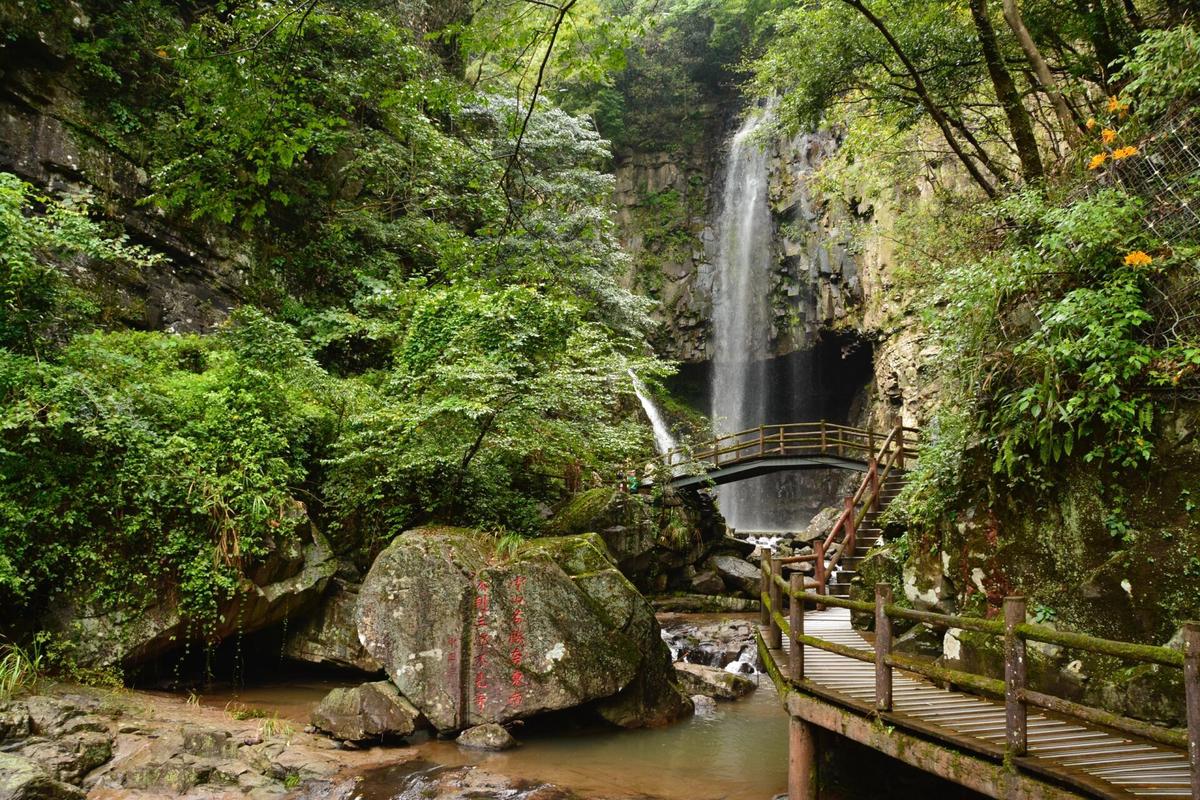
[(663, 439), (742, 311)]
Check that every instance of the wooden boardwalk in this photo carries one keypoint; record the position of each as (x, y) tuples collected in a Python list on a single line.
[(1075, 758)]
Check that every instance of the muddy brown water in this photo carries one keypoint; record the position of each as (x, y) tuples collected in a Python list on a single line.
[(738, 752)]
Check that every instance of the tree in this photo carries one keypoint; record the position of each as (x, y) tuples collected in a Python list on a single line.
[(1019, 123)]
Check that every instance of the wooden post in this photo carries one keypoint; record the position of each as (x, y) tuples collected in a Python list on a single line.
[(899, 447), (796, 626), (870, 441), (802, 760), (762, 441), (823, 441), (1191, 684), (819, 568), (775, 634), (873, 475), (851, 532), (883, 648), (1014, 677), (764, 615), (782, 445)]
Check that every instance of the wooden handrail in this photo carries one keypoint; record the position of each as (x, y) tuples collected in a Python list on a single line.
[(1015, 631)]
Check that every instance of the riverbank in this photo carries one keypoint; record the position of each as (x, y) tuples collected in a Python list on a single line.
[(69, 741)]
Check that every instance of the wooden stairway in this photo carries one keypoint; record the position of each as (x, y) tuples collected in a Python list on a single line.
[(858, 529), (868, 535)]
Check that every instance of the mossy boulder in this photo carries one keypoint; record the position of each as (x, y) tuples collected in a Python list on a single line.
[(471, 637), (654, 542), (290, 579), (371, 711)]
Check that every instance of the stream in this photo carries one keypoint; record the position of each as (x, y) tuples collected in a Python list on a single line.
[(736, 752)]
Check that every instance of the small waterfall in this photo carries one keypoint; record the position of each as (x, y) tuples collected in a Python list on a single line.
[(742, 310), (663, 440)]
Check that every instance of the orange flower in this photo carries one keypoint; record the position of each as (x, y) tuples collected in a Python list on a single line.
[(1113, 104), (1124, 152), (1097, 160), (162, 53), (1091, 123), (1107, 135), (1138, 258)]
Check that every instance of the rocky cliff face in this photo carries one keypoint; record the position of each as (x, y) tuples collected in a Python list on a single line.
[(667, 205), (46, 138)]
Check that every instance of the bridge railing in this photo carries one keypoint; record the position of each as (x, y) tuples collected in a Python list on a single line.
[(791, 439), (1014, 690)]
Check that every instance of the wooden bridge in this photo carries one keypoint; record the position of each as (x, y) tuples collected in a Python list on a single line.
[(999, 737), (791, 446)]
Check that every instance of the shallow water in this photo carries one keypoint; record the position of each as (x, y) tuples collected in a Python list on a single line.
[(738, 753), (293, 700)]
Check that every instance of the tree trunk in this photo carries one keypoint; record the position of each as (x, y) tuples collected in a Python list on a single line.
[(1103, 45), (1019, 123), (1135, 19), (926, 98), (1012, 15)]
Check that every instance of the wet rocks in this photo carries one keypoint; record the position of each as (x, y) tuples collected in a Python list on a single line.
[(727, 644), (425, 781), (24, 778), (470, 638), (371, 711), (487, 737), (718, 684)]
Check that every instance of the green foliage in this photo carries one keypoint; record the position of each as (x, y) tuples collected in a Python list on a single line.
[(139, 457), (1163, 72), (20, 669), (488, 388)]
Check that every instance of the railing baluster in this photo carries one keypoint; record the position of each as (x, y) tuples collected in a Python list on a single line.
[(883, 648), (774, 634), (762, 442), (873, 474), (899, 433), (1015, 712), (1191, 683), (764, 615), (819, 566), (796, 626), (823, 441), (851, 529)]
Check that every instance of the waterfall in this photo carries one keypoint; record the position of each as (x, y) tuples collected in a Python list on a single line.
[(663, 439), (742, 311)]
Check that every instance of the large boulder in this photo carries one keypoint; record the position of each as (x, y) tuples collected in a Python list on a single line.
[(471, 638), (737, 573), (330, 634), (289, 579), (371, 711)]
